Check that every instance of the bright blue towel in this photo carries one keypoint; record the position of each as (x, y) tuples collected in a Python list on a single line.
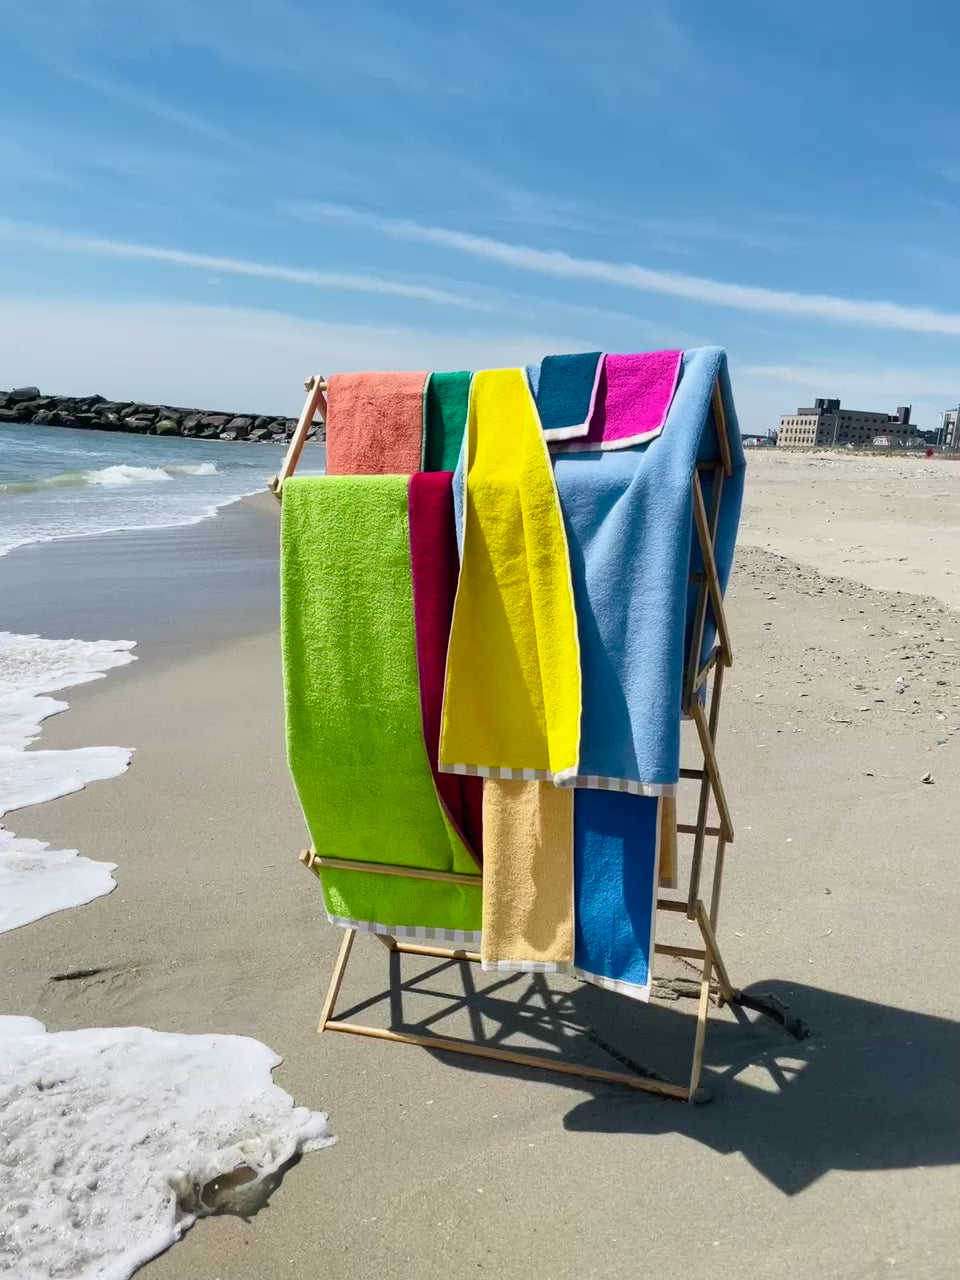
[(615, 855)]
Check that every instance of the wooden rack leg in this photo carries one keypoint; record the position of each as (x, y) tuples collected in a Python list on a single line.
[(703, 1010), (336, 980)]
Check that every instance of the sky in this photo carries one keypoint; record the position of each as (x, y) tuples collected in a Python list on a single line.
[(205, 201)]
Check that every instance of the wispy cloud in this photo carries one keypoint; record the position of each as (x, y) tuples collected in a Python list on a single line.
[(817, 306), (94, 246), (885, 380)]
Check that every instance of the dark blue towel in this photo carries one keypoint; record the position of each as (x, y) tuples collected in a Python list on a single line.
[(564, 389)]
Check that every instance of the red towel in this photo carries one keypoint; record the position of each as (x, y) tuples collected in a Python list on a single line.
[(435, 565), (375, 424)]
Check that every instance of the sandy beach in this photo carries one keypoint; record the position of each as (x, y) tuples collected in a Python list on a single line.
[(838, 1156)]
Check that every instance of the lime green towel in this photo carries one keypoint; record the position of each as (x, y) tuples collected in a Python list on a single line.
[(354, 732), (448, 395), (512, 698)]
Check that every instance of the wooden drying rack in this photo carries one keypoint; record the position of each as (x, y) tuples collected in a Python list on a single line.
[(702, 709)]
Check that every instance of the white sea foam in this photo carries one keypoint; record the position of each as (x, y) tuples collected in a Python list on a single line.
[(124, 474), (34, 879), (117, 1140)]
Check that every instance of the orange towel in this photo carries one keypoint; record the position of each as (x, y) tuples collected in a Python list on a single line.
[(375, 424)]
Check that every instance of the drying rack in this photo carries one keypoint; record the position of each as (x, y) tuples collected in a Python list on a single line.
[(702, 689)]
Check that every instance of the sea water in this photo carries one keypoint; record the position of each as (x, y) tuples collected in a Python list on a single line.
[(56, 482)]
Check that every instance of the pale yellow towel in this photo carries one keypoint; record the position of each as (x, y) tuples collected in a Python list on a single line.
[(668, 842), (512, 696), (527, 876)]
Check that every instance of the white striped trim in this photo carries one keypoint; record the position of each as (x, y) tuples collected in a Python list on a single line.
[(631, 989), (627, 442), (567, 778), (496, 771), (578, 429), (464, 937), (526, 966), (599, 782)]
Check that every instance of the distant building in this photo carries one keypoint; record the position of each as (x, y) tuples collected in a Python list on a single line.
[(826, 424), (948, 437)]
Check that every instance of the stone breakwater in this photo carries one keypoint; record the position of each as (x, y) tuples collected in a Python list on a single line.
[(97, 413)]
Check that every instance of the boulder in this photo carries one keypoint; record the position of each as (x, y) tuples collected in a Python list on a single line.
[(312, 433), (19, 394), (215, 419), (139, 424), (90, 402), (240, 427), (167, 427), (210, 433), (264, 422), (27, 408), (43, 416), (192, 425), (4, 399), (228, 435), (108, 407), (139, 411), (9, 415), (259, 433), (111, 422)]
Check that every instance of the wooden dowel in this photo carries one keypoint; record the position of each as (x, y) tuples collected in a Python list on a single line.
[(336, 981), (670, 904), (689, 953), (695, 774), (688, 829), (440, 953), (710, 938), (710, 568), (515, 1059), (315, 400), (313, 860), (720, 422), (713, 769)]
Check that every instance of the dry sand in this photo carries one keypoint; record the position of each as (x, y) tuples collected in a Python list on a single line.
[(836, 1157)]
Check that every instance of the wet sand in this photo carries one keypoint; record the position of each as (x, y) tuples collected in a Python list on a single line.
[(836, 1157)]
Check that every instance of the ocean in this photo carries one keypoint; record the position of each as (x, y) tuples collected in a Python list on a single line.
[(59, 483)]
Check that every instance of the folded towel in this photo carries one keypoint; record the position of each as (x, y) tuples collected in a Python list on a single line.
[(354, 730), (632, 401), (375, 424), (448, 395), (565, 389), (527, 877), (512, 698), (629, 519), (616, 844), (435, 566)]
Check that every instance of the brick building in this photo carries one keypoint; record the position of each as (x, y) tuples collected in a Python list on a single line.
[(826, 425)]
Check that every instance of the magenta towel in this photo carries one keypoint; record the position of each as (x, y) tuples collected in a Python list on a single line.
[(633, 398), (435, 568)]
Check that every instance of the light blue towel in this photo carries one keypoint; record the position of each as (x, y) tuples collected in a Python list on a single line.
[(629, 522), (615, 856)]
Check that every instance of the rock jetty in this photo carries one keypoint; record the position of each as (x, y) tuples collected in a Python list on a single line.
[(97, 413)]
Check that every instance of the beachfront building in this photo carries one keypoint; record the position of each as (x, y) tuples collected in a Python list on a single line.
[(826, 425), (948, 437)]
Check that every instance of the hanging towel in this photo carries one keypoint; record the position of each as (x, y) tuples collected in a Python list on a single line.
[(448, 395), (375, 424), (565, 390), (512, 698), (668, 842), (629, 518), (435, 566), (354, 731), (527, 877), (616, 848), (632, 402)]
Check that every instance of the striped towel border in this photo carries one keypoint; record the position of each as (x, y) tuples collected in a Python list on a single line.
[(588, 781), (414, 932)]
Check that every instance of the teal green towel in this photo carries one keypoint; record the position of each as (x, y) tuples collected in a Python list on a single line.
[(354, 732), (448, 395)]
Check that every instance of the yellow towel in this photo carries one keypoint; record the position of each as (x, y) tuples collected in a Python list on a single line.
[(512, 698), (668, 842), (527, 876)]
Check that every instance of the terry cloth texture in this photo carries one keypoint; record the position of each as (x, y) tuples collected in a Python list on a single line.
[(527, 877), (615, 842), (565, 389), (629, 521), (632, 401), (375, 424), (354, 731), (512, 699), (448, 397), (435, 566)]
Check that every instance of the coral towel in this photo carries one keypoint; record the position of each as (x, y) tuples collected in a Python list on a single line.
[(375, 424)]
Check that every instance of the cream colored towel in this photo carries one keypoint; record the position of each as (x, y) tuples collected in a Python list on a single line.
[(527, 876)]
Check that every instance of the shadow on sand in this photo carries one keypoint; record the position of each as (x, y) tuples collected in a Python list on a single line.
[(872, 1087)]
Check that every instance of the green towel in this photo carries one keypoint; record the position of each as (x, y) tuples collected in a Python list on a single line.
[(446, 418), (354, 731)]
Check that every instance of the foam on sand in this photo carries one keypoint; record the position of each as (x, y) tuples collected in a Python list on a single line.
[(35, 880), (117, 1140)]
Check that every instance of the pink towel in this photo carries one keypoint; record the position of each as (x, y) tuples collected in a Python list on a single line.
[(375, 424), (633, 398)]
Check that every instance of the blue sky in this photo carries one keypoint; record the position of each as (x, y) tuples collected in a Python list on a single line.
[(205, 200)]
